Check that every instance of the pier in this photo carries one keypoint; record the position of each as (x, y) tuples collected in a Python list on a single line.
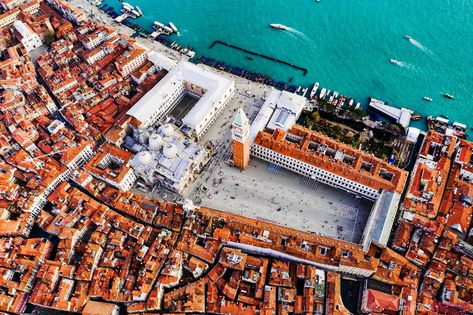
[(400, 115), (219, 42), (121, 18)]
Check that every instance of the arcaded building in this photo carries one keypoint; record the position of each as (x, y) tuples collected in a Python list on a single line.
[(210, 92), (276, 138)]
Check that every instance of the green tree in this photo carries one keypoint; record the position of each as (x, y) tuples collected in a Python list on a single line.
[(315, 116)]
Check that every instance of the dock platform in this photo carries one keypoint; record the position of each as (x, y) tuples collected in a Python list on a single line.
[(400, 115)]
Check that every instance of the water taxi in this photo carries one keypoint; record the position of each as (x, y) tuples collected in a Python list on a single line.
[(279, 27), (449, 96)]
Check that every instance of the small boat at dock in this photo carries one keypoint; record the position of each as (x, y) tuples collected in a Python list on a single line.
[(314, 89), (127, 6), (173, 27), (416, 117), (323, 92)]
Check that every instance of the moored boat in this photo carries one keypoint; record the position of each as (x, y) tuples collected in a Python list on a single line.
[(323, 93), (314, 90), (173, 27)]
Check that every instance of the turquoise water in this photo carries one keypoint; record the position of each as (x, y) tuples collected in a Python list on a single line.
[(345, 44)]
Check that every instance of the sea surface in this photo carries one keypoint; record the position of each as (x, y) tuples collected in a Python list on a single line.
[(345, 44)]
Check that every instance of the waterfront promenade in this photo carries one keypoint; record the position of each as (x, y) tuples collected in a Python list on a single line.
[(95, 15)]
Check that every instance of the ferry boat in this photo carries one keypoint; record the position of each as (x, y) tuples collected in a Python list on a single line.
[(428, 99), (279, 27), (173, 27), (449, 96), (314, 90)]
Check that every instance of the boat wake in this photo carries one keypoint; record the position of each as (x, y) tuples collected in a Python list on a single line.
[(296, 32), (420, 46), (402, 64)]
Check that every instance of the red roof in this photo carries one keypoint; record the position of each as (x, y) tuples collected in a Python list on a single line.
[(381, 302)]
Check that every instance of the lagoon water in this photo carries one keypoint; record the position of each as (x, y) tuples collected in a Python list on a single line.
[(345, 44)]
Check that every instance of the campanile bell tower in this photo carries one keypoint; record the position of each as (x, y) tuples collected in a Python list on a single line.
[(241, 140)]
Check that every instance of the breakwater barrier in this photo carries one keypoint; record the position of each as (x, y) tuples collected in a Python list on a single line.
[(219, 42)]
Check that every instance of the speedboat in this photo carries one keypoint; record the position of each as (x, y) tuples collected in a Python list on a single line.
[(394, 61), (407, 37), (279, 27), (449, 96), (428, 99)]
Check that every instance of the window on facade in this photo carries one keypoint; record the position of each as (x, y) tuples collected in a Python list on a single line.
[(323, 251)]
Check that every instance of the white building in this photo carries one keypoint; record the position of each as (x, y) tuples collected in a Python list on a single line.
[(280, 110), (167, 157), (212, 90), (27, 36)]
